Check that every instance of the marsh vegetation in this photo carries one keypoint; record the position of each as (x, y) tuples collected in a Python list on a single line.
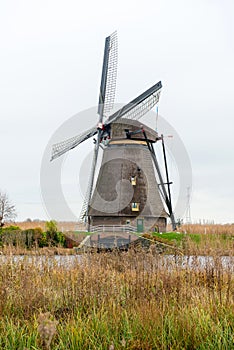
[(129, 300)]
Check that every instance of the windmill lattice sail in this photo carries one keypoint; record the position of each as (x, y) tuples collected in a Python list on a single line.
[(109, 75), (60, 148), (88, 194), (138, 107)]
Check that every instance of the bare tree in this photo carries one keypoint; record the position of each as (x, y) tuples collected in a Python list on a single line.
[(7, 209)]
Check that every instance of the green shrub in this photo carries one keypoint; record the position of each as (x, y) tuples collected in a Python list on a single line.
[(10, 228), (42, 241), (54, 237)]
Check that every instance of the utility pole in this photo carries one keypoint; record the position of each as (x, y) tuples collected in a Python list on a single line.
[(188, 210)]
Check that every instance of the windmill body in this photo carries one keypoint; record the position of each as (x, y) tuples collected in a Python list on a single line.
[(126, 191)]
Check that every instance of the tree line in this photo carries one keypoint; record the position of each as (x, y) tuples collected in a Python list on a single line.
[(30, 238), (33, 237)]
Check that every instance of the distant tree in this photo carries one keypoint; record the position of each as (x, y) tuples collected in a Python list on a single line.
[(54, 237), (7, 209)]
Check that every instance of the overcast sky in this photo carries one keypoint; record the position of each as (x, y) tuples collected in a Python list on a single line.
[(51, 58)]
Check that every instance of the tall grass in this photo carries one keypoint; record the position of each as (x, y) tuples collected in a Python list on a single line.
[(132, 300), (208, 239), (195, 242), (208, 228)]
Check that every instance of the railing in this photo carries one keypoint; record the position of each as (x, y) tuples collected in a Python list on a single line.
[(114, 228)]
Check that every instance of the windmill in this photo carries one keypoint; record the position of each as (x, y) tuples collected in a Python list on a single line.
[(126, 190)]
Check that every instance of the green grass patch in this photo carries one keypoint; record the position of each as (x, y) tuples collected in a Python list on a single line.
[(195, 237), (178, 237), (170, 236)]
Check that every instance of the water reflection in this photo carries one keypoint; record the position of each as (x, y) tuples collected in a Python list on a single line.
[(161, 261)]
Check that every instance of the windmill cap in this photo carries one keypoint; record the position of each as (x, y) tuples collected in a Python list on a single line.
[(118, 130)]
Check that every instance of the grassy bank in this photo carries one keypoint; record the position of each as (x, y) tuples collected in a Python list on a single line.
[(132, 300), (186, 243), (192, 239)]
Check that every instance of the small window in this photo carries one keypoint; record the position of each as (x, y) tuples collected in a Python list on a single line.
[(133, 180), (128, 222), (135, 206)]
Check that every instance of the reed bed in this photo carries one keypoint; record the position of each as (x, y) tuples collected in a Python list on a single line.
[(48, 251), (130, 300), (208, 245), (190, 240), (209, 228), (208, 239)]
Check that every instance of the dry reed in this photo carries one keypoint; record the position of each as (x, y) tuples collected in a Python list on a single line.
[(131, 300)]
